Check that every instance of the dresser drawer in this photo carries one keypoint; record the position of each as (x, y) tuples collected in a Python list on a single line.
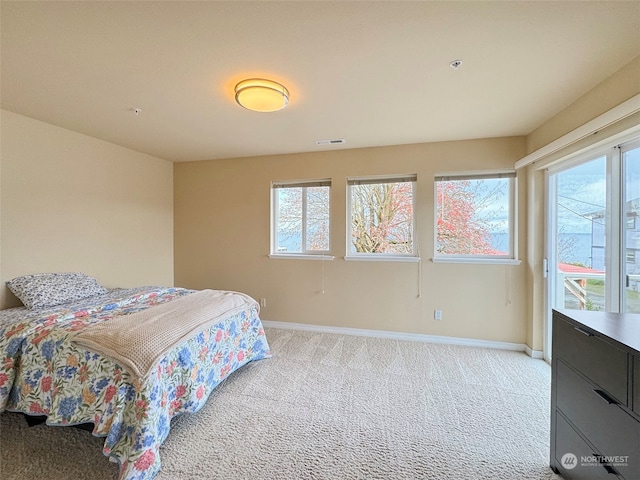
[(570, 450), (610, 429), (605, 364)]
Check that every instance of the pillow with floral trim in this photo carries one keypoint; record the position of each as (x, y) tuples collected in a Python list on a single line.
[(43, 290)]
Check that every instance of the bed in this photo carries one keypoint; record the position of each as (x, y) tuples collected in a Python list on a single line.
[(47, 370)]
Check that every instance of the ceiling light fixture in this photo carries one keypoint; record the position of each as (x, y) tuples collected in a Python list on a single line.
[(261, 95)]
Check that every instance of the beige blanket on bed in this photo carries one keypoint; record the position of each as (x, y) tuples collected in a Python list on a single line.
[(139, 340)]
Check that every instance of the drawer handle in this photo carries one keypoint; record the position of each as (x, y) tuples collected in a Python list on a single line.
[(605, 396), (584, 332)]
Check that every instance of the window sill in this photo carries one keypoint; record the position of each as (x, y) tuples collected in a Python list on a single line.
[(381, 258), (476, 260), (300, 256)]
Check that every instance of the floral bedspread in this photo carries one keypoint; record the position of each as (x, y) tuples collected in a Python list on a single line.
[(43, 373)]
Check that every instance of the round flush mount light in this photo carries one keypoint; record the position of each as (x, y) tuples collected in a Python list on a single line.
[(261, 95)]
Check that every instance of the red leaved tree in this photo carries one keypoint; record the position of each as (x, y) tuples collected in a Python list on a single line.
[(459, 229)]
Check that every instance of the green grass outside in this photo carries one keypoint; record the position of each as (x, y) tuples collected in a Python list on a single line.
[(595, 289)]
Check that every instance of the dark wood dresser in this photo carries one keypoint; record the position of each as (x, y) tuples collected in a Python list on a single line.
[(595, 395)]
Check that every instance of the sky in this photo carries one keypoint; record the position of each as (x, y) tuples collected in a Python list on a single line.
[(582, 191)]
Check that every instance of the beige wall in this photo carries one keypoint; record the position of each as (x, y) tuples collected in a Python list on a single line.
[(621, 86), (2, 288), (222, 241), (69, 202)]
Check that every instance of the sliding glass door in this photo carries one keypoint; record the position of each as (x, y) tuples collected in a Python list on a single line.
[(631, 226), (577, 241), (593, 226)]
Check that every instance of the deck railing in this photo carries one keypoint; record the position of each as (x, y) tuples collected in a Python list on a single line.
[(575, 283)]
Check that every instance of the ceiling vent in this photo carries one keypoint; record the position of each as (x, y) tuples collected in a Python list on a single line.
[(334, 141)]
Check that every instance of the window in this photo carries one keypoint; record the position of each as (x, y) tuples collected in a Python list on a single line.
[(300, 217), (381, 219), (475, 216)]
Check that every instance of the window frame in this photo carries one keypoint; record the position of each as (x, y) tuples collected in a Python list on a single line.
[(511, 258), (378, 179), (306, 254)]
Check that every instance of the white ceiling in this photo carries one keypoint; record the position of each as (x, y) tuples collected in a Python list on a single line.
[(373, 73)]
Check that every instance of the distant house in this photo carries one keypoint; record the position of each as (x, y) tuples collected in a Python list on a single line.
[(632, 242)]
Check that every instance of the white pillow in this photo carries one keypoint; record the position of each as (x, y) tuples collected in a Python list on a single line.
[(43, 290)]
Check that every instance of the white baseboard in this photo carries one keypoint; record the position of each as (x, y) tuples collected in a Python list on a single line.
[(533, 353), (415, 337)]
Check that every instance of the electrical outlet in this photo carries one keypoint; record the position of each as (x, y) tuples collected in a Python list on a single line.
[(437, 314), (263, 302)]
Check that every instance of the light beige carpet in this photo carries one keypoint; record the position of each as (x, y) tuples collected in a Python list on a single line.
[(329, 407)]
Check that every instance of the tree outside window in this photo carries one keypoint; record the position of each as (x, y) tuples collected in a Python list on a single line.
[(300, 217), (382, 216), (474, 215)]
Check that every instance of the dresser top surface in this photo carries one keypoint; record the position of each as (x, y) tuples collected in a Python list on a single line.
[(624, 328)]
